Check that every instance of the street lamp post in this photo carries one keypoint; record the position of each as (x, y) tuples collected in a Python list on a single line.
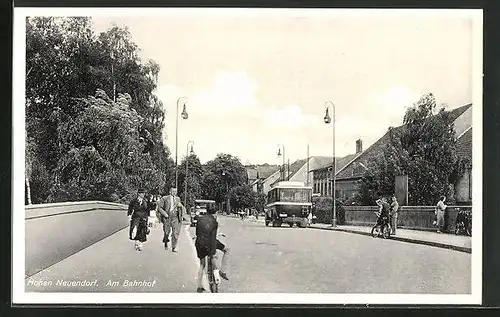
[(184, 116), (279, 154), (228, 207), (185, 177), (328, 120)]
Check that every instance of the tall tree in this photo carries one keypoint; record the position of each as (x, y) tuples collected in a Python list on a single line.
[(194, 179), (65, 63), (242, 197), (102, 153), (220, 175), (424, 149)]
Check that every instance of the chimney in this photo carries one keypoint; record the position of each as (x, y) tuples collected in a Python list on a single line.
[(359, 146)]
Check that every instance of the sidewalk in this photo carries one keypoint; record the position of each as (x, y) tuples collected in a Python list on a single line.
[(440, 240), (113, 265)]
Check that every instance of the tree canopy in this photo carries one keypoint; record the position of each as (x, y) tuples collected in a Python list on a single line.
[(424, 149), (220, 175), (89, 107)]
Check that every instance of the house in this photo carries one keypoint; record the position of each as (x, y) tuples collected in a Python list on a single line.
[(257, 175), (322, 174), (348, 176), (301, 170)]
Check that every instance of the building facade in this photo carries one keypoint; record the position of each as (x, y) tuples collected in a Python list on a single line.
[(349, 175)]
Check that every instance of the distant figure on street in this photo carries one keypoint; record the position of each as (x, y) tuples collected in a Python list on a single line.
[(138, 211), (310, 218), (440, 208), (394, 214), (172, 213)]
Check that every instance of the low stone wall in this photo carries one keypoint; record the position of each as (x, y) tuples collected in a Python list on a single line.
[(409, 217), (54, 232)]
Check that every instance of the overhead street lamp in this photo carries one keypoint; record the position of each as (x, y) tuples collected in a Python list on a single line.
[(184, 115), (279, 154), (186, 176), (328, 120)]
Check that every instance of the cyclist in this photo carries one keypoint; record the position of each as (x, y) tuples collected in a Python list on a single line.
[(206, 244), (383, 215)]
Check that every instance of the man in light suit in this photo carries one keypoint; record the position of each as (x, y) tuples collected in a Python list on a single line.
[(171, 213)]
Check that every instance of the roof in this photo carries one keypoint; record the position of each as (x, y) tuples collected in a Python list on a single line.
[(464, 144), (357, 165), (262, 171), (266, 170), (455, 113), (341, 162)]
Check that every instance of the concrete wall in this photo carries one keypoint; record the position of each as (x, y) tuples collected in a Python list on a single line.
[(53, 232), (409, 217)]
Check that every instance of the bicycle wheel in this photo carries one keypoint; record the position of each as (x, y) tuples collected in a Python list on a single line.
[(214, 288), (386, 232), (375, 231)]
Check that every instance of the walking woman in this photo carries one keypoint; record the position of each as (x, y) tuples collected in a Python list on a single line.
[(139, 212), (440, 208)]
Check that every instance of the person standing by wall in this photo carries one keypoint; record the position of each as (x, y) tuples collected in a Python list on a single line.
[(172, 213), (138, 211), (394, 214), (440, 208)]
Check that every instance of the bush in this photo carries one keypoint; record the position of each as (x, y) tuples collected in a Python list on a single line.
[(323, 210)]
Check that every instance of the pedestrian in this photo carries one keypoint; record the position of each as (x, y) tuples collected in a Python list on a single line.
[(172, 213), (310, 218), (394, 214), (439, 212), (138, 211)]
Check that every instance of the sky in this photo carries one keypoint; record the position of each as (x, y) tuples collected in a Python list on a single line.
[(255, 79)]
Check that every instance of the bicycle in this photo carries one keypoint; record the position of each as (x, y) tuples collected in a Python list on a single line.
[(384, 229), (212, 282)]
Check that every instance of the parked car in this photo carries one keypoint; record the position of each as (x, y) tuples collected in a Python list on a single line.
[(200, 208)]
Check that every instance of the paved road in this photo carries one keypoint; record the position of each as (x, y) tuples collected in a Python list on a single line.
[(266, 259), (295, 260)]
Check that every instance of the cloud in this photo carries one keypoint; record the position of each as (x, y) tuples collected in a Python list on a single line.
[(290, 116)]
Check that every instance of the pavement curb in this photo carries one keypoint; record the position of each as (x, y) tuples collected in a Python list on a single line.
[(402, 239)]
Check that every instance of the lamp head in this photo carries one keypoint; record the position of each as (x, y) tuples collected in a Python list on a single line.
[(184, 113), (327, 117)]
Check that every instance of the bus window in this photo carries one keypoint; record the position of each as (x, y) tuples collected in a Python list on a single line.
[(294, 195)]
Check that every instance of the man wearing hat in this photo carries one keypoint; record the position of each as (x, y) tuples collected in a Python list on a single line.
[(138, 211), (171, 213)]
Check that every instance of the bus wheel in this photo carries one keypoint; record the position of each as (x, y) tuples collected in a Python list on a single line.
[(267, 223)]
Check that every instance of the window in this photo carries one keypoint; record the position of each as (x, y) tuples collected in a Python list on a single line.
[(295, 195)]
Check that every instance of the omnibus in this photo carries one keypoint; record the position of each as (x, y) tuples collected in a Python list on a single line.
[(289, 202), (200, 208)]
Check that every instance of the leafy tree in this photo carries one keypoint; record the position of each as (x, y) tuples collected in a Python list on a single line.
[(242, 197), (103, 153), (194, 179), (220, 175), (424, 149), (260, 201), (65, 63)]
